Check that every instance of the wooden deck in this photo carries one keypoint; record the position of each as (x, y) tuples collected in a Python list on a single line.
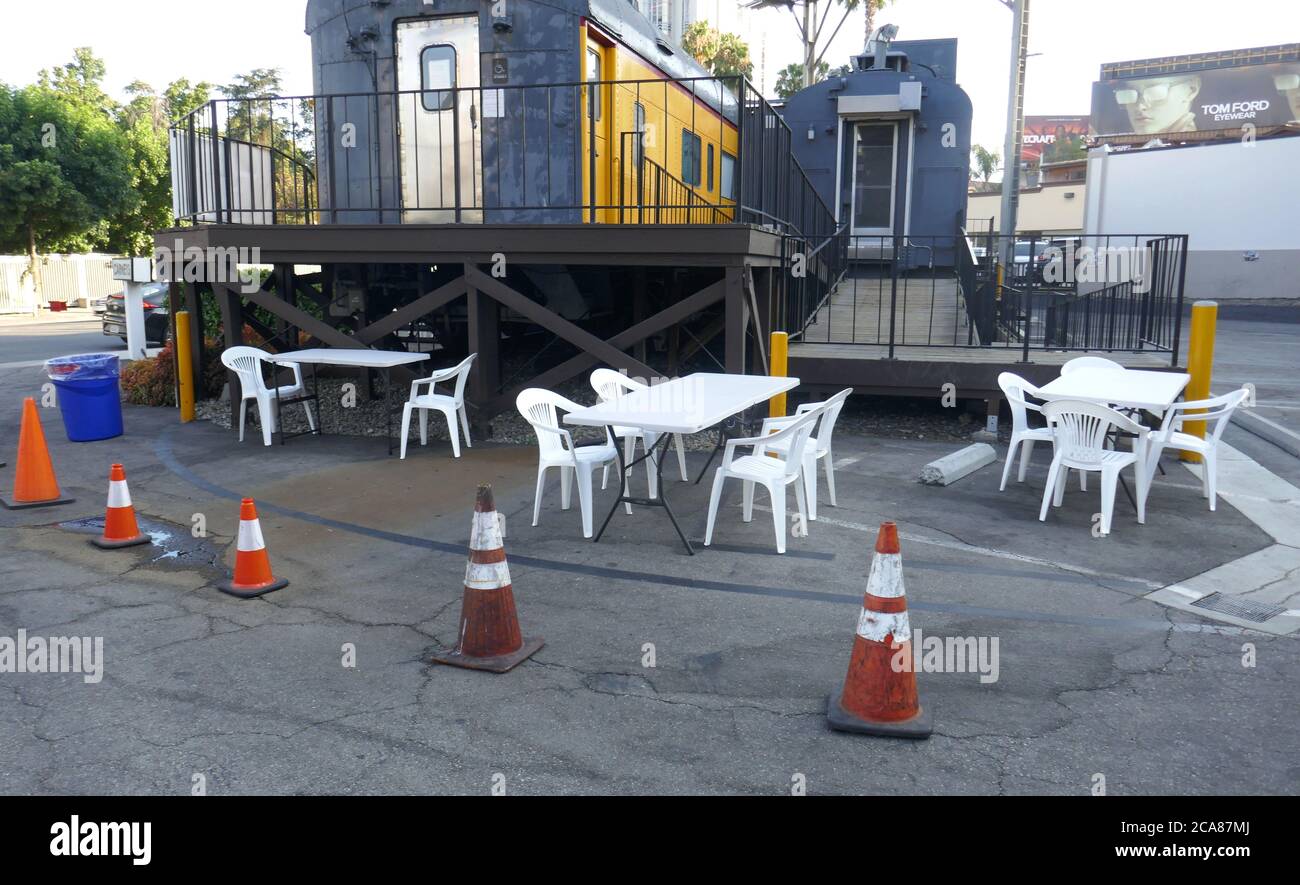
[(928, 311), (1000, 355)]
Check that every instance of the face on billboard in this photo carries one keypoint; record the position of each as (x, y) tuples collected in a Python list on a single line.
[(1211, 100), (1160, 104), (1288, 83)]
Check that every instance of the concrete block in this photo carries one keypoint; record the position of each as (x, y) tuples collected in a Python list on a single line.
[(961, 463), (1287, 440)]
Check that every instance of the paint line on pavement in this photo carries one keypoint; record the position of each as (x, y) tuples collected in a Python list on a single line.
[(166, 455), (963, 547)]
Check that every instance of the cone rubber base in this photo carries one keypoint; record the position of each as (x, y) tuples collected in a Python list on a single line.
[(497, 664), (229, 588), (918, 727), (105, 544), (53, 502)]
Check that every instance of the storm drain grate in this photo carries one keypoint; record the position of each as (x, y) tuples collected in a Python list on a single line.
[(1259, 612)]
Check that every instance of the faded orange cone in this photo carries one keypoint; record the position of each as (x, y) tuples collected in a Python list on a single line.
[(120, 527), (252, 564), (879, 698), (489, 627), (34, 481)]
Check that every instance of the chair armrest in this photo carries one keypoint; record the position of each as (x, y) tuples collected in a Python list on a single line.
[(443, 375), (772, 424), (563, 434)]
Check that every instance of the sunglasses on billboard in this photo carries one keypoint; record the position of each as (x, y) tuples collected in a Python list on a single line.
[(1286, 82), (1150, 95)]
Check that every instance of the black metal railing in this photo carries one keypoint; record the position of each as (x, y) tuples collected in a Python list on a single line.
[(540, 153), (1081, 293)]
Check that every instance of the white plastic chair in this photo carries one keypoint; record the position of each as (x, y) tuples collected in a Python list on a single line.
[(1017, 391), (774, 473), (246, 362), (1218, 411), (1089, 362), (556, 449), (609, 386), (451, 406), (818, 447), (1079, 431)]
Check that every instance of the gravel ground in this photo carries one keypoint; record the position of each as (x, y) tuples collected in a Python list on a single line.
[(868, 416)]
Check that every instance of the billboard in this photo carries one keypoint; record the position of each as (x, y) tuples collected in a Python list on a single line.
[(1053, 139), (1213, 100)]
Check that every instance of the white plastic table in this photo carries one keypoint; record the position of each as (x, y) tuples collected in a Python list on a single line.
[(1119, 388), (1126, 388), (683, 405), (382, 361)]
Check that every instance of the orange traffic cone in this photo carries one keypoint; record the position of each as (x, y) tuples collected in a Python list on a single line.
[(879, 698), (489, 626), (120, 528), (34, 482), (253, 576)]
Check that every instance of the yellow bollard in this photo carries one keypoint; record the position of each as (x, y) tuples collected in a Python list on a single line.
[(780, 369), (184, 366), (1200, 365)]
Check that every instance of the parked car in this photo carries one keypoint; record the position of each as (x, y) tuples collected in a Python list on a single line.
[(157, 318), (99, 305)]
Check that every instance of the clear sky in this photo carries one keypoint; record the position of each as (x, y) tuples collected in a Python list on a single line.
[(160, 40)]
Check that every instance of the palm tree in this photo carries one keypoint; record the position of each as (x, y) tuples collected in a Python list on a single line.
[(871, 6), (986, 162)]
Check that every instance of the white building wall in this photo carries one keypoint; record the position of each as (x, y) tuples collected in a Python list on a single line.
[(1239, 204)]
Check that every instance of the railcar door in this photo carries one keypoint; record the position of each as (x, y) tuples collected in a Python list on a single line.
[(439, 120), (596, 146)]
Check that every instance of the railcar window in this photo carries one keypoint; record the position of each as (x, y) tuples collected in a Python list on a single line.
[(728, 176), (638, 126), (593, 76), (690, 158), (709, 186), (438, 70)]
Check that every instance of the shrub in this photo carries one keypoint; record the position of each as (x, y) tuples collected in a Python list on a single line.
[(151, 382)]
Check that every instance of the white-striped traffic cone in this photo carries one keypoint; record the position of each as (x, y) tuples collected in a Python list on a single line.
[(878, 698), (253, 576), (489, 627), (120, 527)]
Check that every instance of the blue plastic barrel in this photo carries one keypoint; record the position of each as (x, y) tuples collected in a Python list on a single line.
[(89, 396)]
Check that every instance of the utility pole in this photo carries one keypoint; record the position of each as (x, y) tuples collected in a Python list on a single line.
[(1015, 128), (809, 44)]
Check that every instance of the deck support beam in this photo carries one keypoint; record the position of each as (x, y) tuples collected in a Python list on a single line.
[(485, 340), (737, 321), (668, 317)]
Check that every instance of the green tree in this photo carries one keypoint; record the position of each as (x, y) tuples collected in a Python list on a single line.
[(722, 55), (984, 162), (811, 17), (144, 122), (63, 165), (790, 79)]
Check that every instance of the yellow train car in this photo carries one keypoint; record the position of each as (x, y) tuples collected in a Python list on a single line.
[(661, 149)]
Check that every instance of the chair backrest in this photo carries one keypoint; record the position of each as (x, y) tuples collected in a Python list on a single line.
[(247, 363), (610, 385), (821, 437), (1016, 390), (798, 433), (1089, 362), (1217, 412), (1079, 428), (540, 408), (462, 376)]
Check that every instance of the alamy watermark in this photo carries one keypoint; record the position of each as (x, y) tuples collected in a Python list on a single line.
[(56, 654), (179, 263), (1096, 264), (948, 654)]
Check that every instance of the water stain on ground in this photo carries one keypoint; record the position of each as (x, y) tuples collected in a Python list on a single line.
[(171, 546)]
